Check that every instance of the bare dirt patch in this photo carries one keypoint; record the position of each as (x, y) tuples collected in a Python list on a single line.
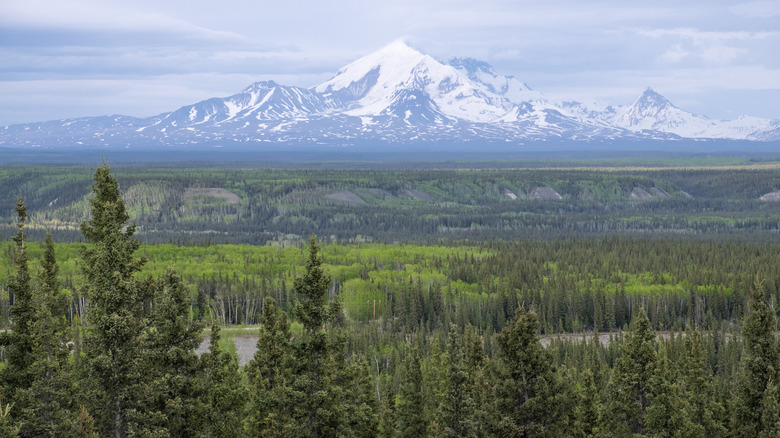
[(640, 194), (379, 193), (211, 192), (346, 196), (772, 196), (416, 194), (661, 193), (546, 193)]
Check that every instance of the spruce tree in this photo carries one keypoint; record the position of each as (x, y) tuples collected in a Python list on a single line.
[(169, 399), (759, 364), (410, 415), (629, 386), (36, 376), (770, 412), (223, 394), (268, 374), (359, 400), (531, 399), (704, 407), (668, 413), (117, 314), (386, 420), (85, 424), (457, 410), (48, 400), (435, 378), (17, 373), (354, 398), (481, 392), (587, 414), (316, 410)]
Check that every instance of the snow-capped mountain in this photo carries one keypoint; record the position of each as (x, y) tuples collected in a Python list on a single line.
[(396, 95), (653, 112), (390, 81), (505, 86), (261, 101)]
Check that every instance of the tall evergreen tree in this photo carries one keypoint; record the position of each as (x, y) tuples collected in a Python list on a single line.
[(609, 313), (36, 374), (359, 400), (48, 400), (17, 373), (531, 398), (435, 378), (386, 420), (268, 374), (410, 415), (223, 392), (770, 412), (668, 413), (169, 399), (759, 365), (457, 410), (588, 422), (117, 314), (352, 389), (481, 392), (629, 387), (315, 408), (704, 407)]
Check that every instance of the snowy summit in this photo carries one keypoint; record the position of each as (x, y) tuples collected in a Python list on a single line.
[(396, 95)]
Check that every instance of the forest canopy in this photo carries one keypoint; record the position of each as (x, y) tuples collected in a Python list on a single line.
[(597, 335)]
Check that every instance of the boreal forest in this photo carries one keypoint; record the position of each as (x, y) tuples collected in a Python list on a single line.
[(532, 301)]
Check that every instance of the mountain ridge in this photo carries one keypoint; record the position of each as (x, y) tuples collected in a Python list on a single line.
[(396, 95)]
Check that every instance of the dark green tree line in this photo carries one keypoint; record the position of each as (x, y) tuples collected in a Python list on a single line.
[(431, 364)]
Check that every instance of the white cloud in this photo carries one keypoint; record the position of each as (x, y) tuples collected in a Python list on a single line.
[(708, 47), (507, 54), (757, 9), (705, 37), (720, 54), (674, 54), (108, 16)]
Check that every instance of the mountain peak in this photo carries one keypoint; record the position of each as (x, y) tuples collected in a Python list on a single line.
[(395, 59), (652, 111), (399, 45), (650, 98), (260, 85), (377, 83)]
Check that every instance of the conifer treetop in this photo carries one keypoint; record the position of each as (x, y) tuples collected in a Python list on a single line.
[(109, 214)]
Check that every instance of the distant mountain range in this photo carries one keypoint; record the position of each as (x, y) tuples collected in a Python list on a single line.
[(396, 95)]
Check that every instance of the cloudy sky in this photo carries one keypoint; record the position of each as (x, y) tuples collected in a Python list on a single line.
[(63, 59)]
